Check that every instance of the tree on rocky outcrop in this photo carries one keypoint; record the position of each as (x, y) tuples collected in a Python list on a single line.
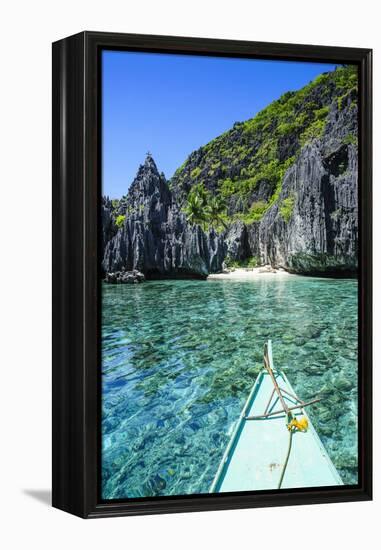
[(204, 209), (195, 208), (216, 209)]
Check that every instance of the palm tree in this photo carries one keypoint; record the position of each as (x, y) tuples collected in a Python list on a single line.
[(203, 209), (195, 209), (216, 207)]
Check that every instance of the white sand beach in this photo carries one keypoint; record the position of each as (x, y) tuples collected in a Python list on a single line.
[(250, 273)]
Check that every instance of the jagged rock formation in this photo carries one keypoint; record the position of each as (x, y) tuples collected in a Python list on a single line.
[(108, 225), (156, 238), (237, 244), (319, 233), (124, 277), (289, 180)]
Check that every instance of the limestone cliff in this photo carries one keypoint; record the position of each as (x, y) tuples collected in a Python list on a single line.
[(155, 237), (288, 179)]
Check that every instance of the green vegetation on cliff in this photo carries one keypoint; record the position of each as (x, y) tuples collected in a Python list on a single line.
[(286, 208), (244, 167), (249, 263), (119, 221)]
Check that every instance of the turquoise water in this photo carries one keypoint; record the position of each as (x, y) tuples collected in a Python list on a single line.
[(179, 358)]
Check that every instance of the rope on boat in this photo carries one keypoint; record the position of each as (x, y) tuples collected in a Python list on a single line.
[(293, 424), (286, 461)]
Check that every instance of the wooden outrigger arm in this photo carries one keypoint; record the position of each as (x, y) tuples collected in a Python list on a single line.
[(273, 413), (267, 360), (277, 389)]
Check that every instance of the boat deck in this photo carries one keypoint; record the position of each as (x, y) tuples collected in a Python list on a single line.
[(257, 450)]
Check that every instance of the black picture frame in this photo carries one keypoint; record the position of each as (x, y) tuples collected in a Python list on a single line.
[(76, 290)]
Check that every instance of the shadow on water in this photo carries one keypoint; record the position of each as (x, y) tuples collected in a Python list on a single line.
[(42, 495)]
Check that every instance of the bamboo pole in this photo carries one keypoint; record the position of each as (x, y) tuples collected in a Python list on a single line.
[(291, 395), (277, 389), (268, 404), (302, 404)]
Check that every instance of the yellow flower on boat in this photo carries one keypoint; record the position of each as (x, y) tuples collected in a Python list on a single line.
[(301, 425)]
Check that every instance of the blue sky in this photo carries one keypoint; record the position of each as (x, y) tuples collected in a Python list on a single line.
[(171, 105)]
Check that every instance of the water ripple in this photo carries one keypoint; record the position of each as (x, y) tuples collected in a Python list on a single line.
[(179, 358)]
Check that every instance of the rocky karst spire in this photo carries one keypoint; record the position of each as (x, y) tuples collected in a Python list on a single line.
[(155, 237), (149, 192)]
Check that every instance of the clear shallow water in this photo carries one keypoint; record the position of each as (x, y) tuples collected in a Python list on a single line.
[(179, 358)]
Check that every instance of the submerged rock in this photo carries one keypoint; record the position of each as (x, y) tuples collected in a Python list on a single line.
[(342, 383)]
